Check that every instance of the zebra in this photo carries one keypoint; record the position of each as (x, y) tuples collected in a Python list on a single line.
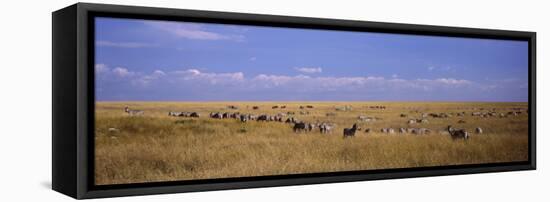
[(243, 118), (301, 126), (133, 112), (174, 113), (325, 128), (479, 130), (350, 132), (291, 120), (457, 133), (310, 126)]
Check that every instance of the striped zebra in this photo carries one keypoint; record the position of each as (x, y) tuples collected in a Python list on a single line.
[(132, 112)]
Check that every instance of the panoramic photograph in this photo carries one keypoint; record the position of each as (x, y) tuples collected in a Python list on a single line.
[(179, 101)]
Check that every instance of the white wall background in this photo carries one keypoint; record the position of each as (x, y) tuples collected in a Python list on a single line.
[(25, 99)]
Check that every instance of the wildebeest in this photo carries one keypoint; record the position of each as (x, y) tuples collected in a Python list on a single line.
[(457, 133), (301, 126), (403, 115), (461, 121), (283, 107), (309, 106), (232, 107), (132, 112), (225, 115), (350, 132), (377, 107), (275, 107), (263, 117), (255, 107), (194, 115), (367, 130)]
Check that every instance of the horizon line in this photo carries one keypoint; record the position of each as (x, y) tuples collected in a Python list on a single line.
[(212, 101)]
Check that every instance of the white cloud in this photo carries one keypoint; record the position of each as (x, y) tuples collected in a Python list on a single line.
[(284, 83), (122, 72), (212, 78), (191, 31), (309, 70), (101, 68), (453, 81), (158, 73), (145, 80), (124, 44)]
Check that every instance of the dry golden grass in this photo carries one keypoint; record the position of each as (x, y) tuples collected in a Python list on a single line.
[(156, 147)]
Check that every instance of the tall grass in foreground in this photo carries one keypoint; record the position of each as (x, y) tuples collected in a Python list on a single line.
[(156, 147)]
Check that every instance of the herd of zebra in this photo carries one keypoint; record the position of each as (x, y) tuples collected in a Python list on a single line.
[(326, 127)]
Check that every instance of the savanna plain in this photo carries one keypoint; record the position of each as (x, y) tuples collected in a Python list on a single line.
[(152, 146)]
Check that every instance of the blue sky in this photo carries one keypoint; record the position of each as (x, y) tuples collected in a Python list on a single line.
[(149, 60)]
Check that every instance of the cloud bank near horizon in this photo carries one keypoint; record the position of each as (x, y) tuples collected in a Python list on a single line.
[(120, 83)]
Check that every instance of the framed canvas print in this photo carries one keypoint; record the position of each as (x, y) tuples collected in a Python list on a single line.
[(154, 100)]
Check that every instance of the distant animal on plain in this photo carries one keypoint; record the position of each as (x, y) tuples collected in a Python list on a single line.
[(325, 128), (457, 133), (310, 126), (350, 132), (133, 112), (479, 130), (301, 126)]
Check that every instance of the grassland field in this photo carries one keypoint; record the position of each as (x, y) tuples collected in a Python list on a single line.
[(156, 147)]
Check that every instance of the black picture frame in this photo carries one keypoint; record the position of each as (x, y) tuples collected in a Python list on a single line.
[(73, 100)]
